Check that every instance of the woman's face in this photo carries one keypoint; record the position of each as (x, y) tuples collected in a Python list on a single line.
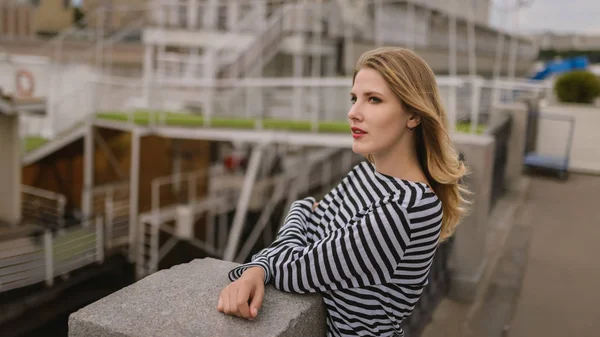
[(377, 119)]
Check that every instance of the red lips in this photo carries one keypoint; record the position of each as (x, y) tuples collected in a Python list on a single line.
[(357, 132)]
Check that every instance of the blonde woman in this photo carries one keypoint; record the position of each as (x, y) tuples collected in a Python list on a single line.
[(367, 247)]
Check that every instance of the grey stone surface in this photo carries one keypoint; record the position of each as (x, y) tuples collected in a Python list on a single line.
[(559, 295), (181, 302), (468, 257)]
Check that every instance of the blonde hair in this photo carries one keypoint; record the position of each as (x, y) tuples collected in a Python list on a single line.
[(413, 81)]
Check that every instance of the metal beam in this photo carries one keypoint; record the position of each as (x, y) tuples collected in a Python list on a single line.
[(257, 136), (54, 145), (261, 224), (88, 170), (134, 183), (242, 206), (112, 160)]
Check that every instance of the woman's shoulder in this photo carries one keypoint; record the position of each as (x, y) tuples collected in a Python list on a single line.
[(418, 204)]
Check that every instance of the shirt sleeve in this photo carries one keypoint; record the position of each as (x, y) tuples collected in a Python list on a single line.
[(365, 252), (292, 232)]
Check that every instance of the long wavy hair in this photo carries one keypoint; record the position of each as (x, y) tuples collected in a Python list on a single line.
[(413, 81)]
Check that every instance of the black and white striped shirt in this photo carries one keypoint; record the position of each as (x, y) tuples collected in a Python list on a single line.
[(367, 248)]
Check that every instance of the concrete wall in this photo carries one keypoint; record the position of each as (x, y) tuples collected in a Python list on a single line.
[(516, 142), (553, 135), (182, 302), (66, 89), (468, 256), (10, 170)]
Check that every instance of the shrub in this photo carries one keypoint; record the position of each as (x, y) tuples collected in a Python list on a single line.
[(577, 87)]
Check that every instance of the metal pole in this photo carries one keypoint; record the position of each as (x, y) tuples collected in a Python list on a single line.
[(452, 59), (134, 183), (148, 67), (100, 36), (410, 31), (378, 26), (242, 206), (498, 61), (49, 257), (512, 61), (99, 240), (88, 171), (473, 70)]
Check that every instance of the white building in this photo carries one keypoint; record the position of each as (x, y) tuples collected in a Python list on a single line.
[(210, 38), (566, 42)]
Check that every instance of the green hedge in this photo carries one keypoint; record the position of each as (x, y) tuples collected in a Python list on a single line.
[(577, 87)]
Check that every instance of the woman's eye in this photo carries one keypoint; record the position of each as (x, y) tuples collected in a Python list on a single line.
[(353, 100), (374, 100)]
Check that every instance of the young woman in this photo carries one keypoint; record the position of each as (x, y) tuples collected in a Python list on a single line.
[(367, 247)]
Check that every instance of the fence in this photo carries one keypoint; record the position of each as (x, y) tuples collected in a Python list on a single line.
[(112, 202), (501, 132), (42, 207), (41, 257)]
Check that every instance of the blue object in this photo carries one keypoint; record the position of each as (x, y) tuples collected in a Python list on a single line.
[(576, 63), (558, 164)]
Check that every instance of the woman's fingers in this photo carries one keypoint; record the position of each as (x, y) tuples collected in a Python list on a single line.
[(257, 300), (315, 205), (225, 298), (220, 303), (243, 296), (235, 299)]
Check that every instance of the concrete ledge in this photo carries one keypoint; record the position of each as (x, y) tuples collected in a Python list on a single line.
[(182, 302)]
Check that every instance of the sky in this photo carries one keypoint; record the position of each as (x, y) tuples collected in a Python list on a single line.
[(565, 16)]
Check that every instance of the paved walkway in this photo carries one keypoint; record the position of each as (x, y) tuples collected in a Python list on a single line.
[(560, 295)]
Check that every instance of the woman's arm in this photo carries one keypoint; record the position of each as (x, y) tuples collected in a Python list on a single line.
[(297, 218), (363, 253)]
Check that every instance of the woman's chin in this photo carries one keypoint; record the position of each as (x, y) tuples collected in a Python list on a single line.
[(358, 149)]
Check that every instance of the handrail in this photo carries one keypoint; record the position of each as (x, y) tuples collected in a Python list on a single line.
[(40, 258)]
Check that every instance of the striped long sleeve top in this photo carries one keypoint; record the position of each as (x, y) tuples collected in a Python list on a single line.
[(367, 248)]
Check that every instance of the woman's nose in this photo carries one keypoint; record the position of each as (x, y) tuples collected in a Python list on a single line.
[(353, 113)]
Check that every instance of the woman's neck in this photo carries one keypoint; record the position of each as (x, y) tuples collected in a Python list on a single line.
[(400, 164)]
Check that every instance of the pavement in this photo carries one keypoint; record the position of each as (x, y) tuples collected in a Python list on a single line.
[(543, 276), (560, 295)]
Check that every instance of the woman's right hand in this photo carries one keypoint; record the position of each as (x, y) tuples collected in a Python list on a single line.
[(244, 297)]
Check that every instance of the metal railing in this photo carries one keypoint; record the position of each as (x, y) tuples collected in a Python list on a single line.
[(316, 177), (190, 192), (42, 257), (42, 207), (112, 202), (58, 250)]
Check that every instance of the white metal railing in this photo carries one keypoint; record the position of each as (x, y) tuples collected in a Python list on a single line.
[(40, 258), (214, 198), (42, 207), (171, 194), (202, 14), (321, 171), (111, 201), (311, 101)]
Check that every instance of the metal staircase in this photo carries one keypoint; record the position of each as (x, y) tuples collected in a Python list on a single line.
[(321, 170), (263, 47)]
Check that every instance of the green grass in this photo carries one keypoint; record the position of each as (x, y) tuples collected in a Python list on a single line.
[(34, 142), (465, 127), (144, 117)]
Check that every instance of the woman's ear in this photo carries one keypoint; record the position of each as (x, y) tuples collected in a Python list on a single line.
[(413, 121)]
